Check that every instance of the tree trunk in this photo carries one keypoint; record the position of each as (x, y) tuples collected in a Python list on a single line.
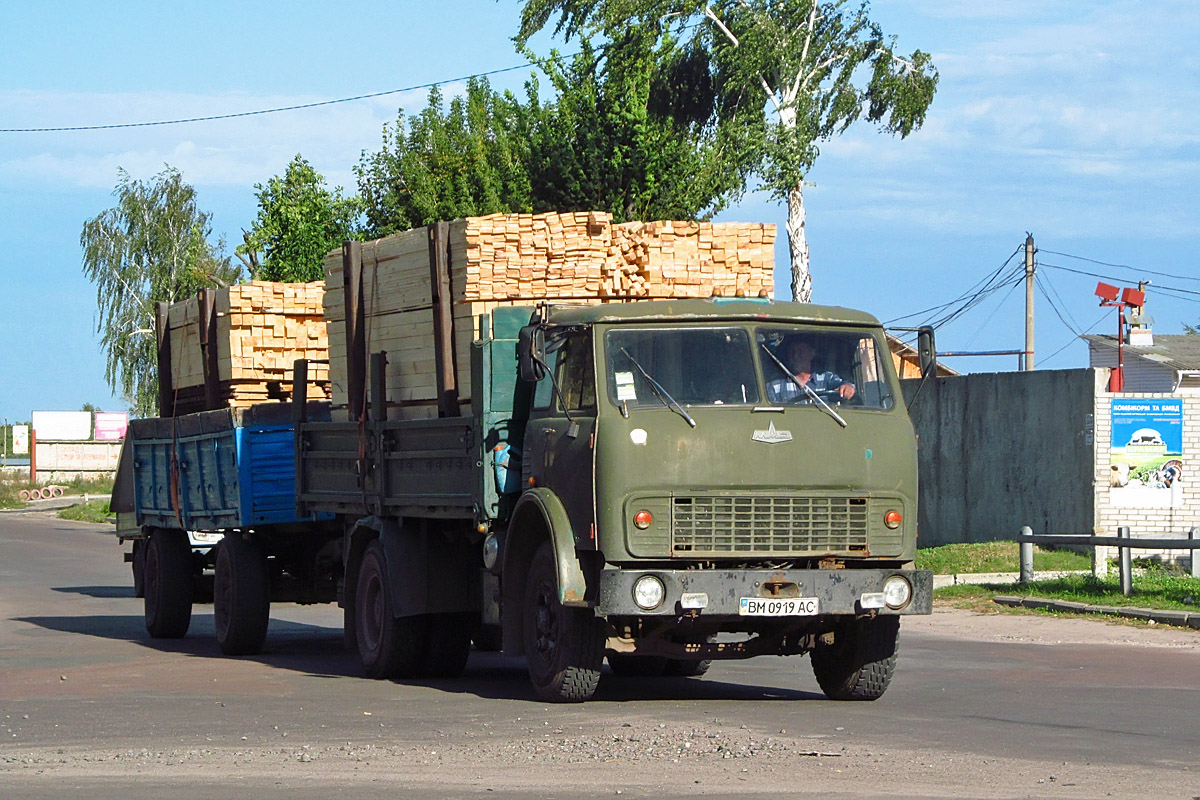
[(798, 243)]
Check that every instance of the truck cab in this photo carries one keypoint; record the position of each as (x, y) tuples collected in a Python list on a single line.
[(705, 495)]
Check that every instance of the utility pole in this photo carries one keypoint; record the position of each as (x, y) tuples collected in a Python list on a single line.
[(1029, 251)]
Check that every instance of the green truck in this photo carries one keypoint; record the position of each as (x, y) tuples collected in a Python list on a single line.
[(649, 482), (657, 483)]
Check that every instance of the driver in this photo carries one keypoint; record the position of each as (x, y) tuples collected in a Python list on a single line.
[(797, 352)]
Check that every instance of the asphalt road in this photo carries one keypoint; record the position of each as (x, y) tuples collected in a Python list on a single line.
[(982, 706)]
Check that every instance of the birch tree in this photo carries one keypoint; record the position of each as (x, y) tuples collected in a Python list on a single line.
[(151, 247), (809, 69)]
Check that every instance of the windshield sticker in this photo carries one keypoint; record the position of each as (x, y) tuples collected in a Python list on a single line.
[(625, 387)]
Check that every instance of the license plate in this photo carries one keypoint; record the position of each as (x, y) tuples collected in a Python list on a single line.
[(777, 607)]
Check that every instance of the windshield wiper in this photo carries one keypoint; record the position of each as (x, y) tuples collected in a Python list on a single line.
[(804, 387), (659, 391)]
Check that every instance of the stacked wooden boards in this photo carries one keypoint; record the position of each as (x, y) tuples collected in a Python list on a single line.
[(261, 328), (524, 259)]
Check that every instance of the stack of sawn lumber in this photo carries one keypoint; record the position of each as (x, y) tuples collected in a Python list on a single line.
[(524, 259), (262, 328)]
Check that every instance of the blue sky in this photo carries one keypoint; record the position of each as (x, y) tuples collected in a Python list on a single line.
[(1075, 121)]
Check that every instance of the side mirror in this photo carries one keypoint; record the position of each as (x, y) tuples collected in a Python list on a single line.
[(926, 351), (531, 353)]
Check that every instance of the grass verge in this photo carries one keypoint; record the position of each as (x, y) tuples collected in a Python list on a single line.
[(1157, 588), (952, 559), (93, 511)]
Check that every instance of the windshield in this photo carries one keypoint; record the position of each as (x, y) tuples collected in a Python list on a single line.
[(691, 366), (835, 367)]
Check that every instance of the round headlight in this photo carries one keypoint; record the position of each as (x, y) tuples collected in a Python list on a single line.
[(897, 591), (648, 592)]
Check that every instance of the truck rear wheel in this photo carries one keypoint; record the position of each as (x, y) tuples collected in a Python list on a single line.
[(167, 572), (241, 596), (388, 646), (564, 647), (860, 662)]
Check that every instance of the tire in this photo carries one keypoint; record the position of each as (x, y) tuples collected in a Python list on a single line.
[(241, 596), (139, 568), (860, 662), (564, 647), (167, 572), (388, 646), (449, 644), (630, 666)]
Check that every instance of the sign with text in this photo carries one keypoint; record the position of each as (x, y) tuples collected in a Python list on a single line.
[(1146, 448)]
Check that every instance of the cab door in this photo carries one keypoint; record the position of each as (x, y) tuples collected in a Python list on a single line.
[(560, 436)]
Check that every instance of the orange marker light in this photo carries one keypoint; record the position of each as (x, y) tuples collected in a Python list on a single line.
[(893, 519), (642, 519)]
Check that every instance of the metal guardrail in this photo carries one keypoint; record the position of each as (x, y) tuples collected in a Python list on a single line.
[(1123, 540)]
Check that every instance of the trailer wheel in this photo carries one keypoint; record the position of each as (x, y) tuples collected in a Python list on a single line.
[(388, 646), (168, 583), (564, 647), (241, 596), (449, 644), (631, 666), (860, 662), (139, 568)]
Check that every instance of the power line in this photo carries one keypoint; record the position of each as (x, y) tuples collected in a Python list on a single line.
[(1157, 287), (984, 283), (260, 112), (1122, 266)]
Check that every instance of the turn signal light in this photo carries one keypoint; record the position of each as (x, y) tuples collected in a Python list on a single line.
[(893, 519), (642, 519)]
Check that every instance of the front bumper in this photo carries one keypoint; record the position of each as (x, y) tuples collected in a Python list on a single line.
[(838, 591)]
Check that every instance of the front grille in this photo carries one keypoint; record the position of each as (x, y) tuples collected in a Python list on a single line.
[(768, 525)]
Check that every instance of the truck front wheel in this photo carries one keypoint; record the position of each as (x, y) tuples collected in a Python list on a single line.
[(241, 596), (388, 646), (860, 662), (167, 573), (564, 647)]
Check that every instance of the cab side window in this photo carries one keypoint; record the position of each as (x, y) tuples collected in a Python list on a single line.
[(576, 374), (571, 363)]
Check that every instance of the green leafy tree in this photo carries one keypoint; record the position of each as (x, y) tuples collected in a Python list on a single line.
[(620, 135), (299, 221), (807, 69), (444, 163), (153, 246)]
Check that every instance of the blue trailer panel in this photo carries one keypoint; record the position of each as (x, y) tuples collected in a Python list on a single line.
[(215, 470)]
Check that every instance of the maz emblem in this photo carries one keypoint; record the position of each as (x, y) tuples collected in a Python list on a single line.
[(772, 436)]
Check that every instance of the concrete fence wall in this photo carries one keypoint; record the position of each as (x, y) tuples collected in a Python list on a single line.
[(64, 461), (1001, 450)]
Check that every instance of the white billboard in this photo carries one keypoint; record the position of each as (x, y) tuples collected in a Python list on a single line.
[(20, 440), (62, 426)]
